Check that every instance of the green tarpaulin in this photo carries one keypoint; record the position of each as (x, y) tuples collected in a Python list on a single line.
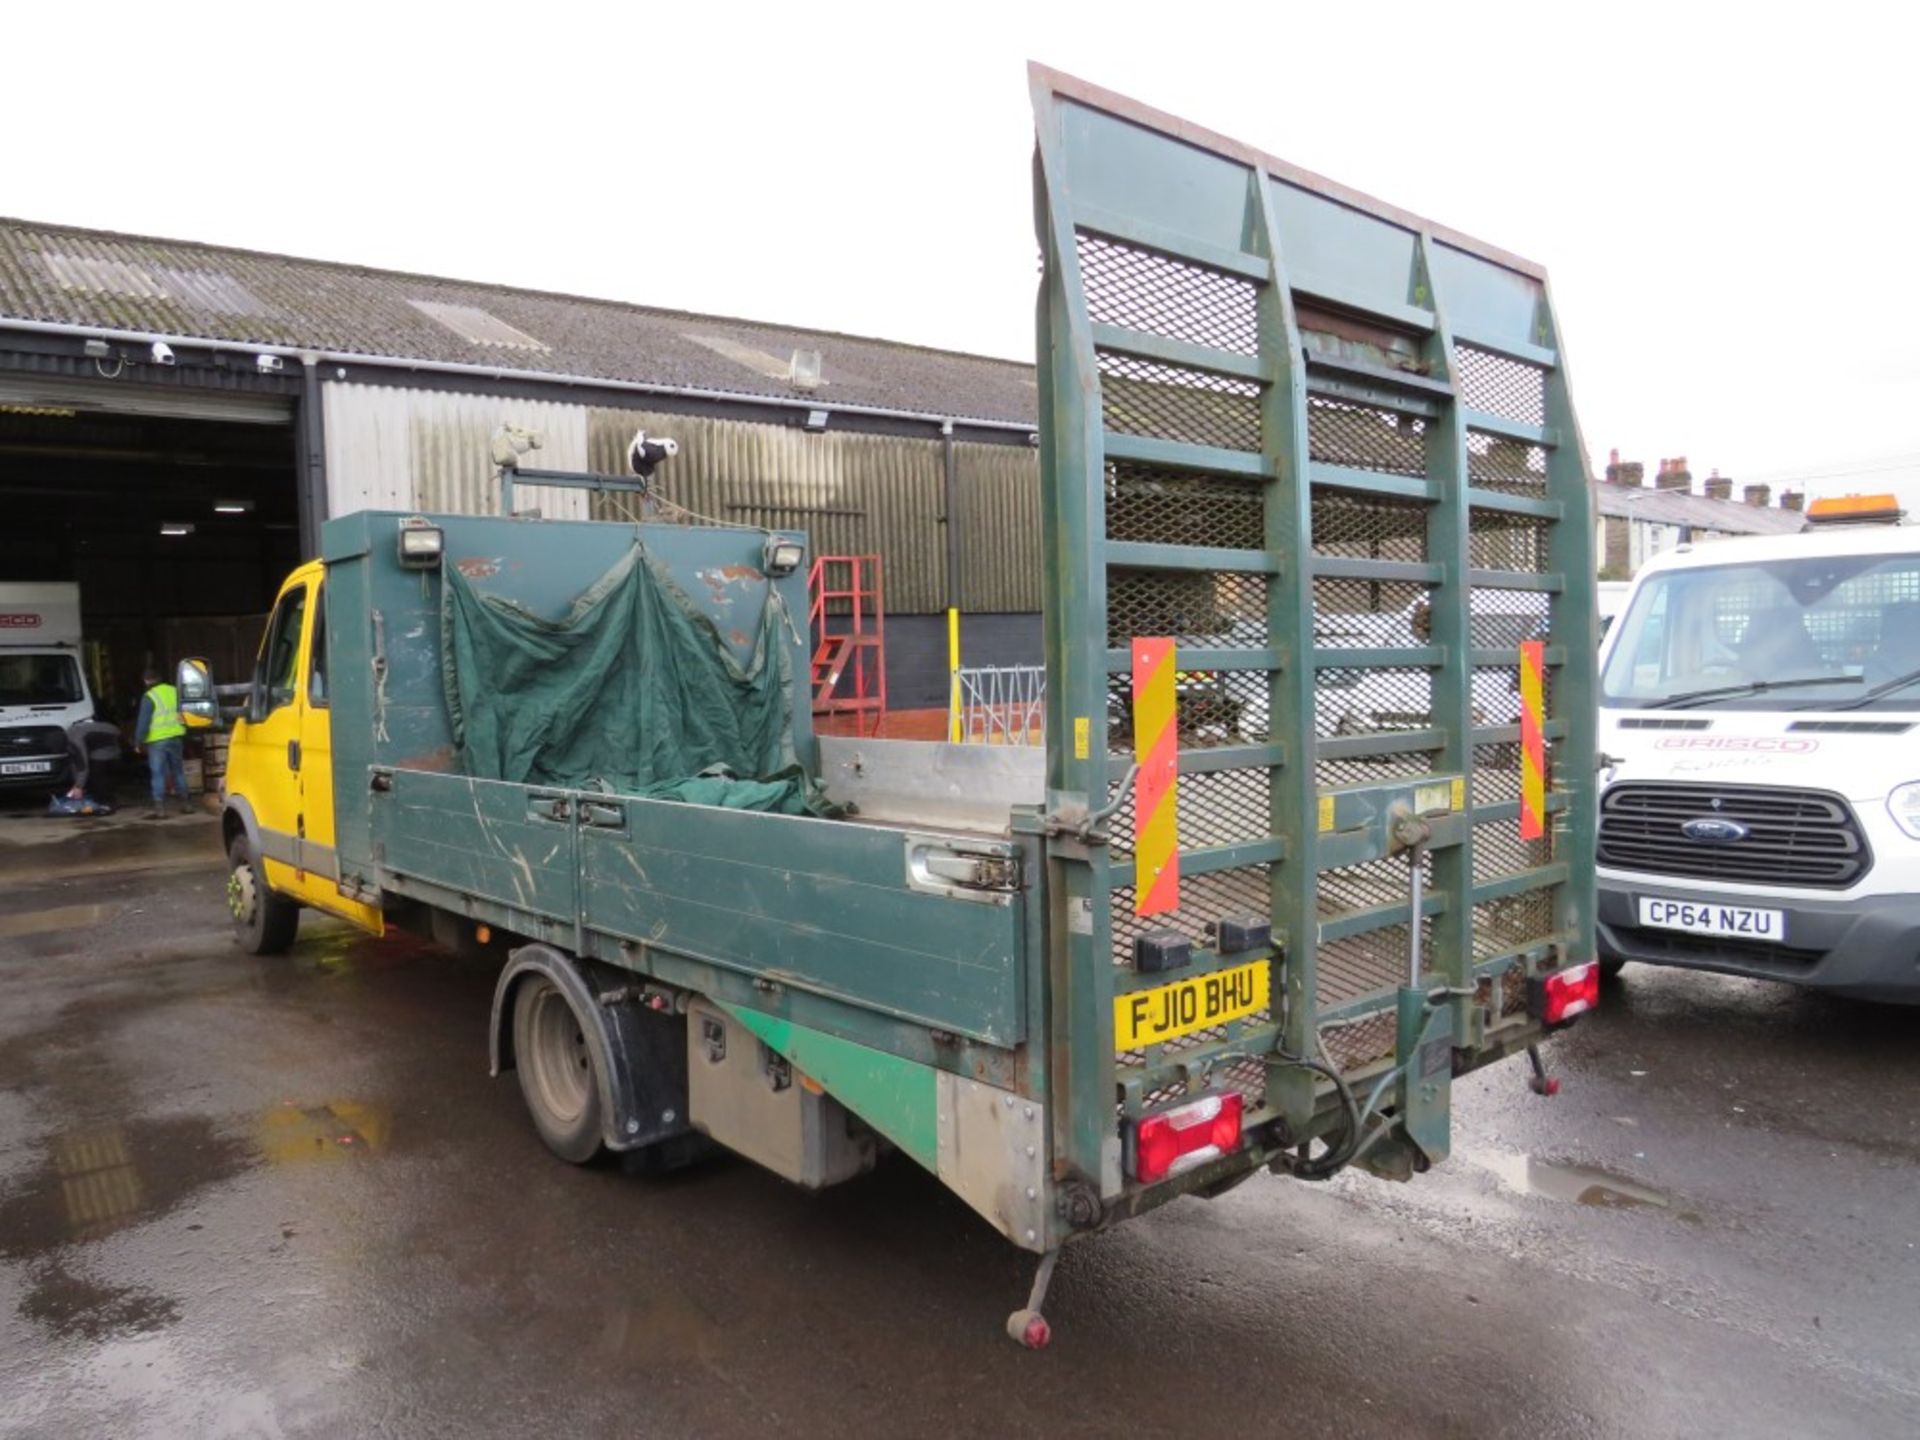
[(633, 691)]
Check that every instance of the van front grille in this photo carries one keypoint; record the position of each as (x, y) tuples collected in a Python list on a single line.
[(32, 742), (1786, 837)]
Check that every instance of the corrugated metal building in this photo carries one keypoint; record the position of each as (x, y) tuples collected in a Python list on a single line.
[(177, 419), (857, 493)]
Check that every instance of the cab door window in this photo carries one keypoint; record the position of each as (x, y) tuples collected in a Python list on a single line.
[(317, 663), (276, 680)]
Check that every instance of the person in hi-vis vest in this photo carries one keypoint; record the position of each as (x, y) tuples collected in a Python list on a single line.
[(159, 731)]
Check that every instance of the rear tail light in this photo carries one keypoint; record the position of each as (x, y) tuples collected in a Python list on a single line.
[(1171, 1141), (1559, 995)]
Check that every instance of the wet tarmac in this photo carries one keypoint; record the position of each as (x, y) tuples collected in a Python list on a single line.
[(282, 1198)]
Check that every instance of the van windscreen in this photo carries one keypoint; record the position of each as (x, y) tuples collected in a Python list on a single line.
[(1833, 626), (42, 679)]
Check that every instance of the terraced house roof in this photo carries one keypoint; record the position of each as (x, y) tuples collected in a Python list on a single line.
[(60, 274), (1702, 512)]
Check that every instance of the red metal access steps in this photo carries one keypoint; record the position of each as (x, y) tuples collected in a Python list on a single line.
[(846, 626)]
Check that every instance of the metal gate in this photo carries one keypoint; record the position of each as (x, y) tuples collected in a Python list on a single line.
[(1326, 449), (999, 705)]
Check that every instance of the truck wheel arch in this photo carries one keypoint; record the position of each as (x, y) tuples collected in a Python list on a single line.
[(237, 818), (640, 1057)]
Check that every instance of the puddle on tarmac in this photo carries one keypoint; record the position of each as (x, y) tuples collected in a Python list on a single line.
[(332, 951), (69, 1304), (666, 1324), (294, 1134), (1579, 1184), (94, 1181), (60, 917), (61, 849), (333, 947)]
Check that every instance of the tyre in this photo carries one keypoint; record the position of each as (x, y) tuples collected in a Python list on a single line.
[(559, 1075), (264, 923), (1611, 966)]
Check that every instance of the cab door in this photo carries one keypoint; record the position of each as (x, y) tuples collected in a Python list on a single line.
[(287, 758), (264, 757), (317, 860)]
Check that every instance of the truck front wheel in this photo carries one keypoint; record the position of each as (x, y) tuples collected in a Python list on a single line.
[(555, 1064), (264, 923)]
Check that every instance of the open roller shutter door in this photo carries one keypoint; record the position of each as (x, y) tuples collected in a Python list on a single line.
[(121, 398)]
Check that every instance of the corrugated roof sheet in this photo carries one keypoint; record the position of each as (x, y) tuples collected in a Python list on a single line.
[(132, 282), (1677, 507)]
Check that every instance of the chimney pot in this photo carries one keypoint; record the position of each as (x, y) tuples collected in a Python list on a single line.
[(1757, 495), (1674, 474)]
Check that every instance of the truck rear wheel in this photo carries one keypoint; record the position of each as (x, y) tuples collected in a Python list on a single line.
[(558, 1074), (264, 923)]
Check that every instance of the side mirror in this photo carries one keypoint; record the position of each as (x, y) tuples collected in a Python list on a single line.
[(199, 706)]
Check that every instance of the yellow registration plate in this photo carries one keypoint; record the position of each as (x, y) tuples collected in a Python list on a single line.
[(1166, 1012)]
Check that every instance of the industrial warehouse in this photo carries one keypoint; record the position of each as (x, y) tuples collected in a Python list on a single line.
[(184, 417), (179, 419)]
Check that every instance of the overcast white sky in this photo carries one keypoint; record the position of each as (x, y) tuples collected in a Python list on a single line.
[(1723, 195)]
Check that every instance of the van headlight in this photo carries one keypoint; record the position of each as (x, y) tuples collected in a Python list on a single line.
[(1903, 804)]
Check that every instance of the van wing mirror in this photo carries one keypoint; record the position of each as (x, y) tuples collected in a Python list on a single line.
[(199, 705)]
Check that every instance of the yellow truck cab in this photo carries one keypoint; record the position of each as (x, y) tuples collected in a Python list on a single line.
[(278, 819)]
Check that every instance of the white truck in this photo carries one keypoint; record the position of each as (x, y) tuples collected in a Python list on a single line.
[(43, 685), (1760, 705)]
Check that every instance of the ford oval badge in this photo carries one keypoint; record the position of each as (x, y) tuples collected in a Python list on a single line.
[(1713, 830)]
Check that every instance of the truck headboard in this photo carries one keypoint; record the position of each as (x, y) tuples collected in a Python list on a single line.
[(384, 634)]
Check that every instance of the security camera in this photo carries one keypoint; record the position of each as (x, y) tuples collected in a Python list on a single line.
[(644, 455), (269, 364), (162, 353)]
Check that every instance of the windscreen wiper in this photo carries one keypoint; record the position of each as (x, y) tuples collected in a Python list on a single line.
[(1752, 687), (1886, 687)]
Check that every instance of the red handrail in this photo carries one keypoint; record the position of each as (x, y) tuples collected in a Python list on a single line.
[(846, 623)]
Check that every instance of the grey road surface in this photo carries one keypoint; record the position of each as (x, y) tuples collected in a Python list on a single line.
[(283, 1198)]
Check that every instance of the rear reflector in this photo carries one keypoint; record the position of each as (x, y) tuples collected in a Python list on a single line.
[(1174, 1140), (1559, 995)]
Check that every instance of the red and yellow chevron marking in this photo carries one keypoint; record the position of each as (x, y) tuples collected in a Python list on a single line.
[(1533, 740), (1156, 829)]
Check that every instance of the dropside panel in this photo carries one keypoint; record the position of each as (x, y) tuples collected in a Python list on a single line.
[(859, 913), (507, 843)]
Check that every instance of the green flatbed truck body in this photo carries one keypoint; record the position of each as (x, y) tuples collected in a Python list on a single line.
[(1309, 440)]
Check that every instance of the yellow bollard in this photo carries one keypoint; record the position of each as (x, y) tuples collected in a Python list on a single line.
[(953, 674)]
